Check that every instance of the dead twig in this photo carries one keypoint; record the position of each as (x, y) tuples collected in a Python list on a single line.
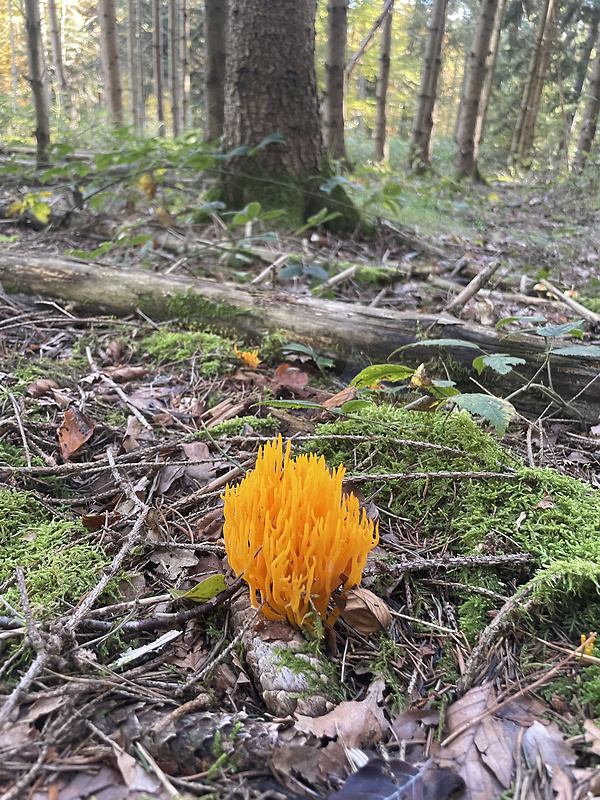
[(471, 289)]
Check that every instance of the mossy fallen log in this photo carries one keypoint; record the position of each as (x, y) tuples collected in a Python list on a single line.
[(355, 334)]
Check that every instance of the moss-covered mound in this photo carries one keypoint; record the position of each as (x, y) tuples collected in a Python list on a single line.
[(553, 517), (57, 566)]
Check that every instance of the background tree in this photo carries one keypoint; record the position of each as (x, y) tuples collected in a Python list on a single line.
[(271, 95), (589, 121), (157, 63), (112, 71), (379, 132), (524, 132), (133, 63), (215, 38), (421, 143), (37, 79), (62, 92), (467, 154), (333, 101), (174, 66)]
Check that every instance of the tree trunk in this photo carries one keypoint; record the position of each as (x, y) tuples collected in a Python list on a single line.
[(215, 38), (37, 79), (134, 81), (333, 103), (108, 31), (465, 159), (183, 63), (271, 85), (589, 122), (525, 128), (57, 60), (13, 63), (141, 62), (584, 59), (157, 47), (353, 332), (489, 76), (422, 129), (174, 67), (383, 77)]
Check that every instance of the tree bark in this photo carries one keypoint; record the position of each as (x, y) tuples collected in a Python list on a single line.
[(108, 31), (62, 89), (489, 76), (140, 66), (134, 83), (422, 130), (584, 59), (333, 103), (157, 47), (215, 38), (271, 85), (354, 332), (524, 132), (13, 63), (587, 132), (37, 79), (174, 67), (383, 78), (183, 62), (465, 159)]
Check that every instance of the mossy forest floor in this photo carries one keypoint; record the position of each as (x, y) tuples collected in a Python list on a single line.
[(117, 438)]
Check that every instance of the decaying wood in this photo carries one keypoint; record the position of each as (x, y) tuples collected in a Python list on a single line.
[(356, 334)]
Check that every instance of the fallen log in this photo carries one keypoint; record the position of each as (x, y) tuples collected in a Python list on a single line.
[(356, 334)]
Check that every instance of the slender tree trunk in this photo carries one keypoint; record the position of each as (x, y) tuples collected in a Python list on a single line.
[(157, 47), (215, 38), (183, 62), (132, 39), (489, 76), (379, 133), (333, 104), (584, 58), (525, 128), (465, 159), (57, 60), (37, 79), (423, 122), (139, 68), (451, 118), (589, 122), (174, 66), (108, 30), (13, 63)]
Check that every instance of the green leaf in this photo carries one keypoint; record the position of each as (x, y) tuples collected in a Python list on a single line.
[(440, 343), (252, 210), (290, 271), (203, 591), (495, 410), (581, 350), (574, 328), (41, 211), (501, 363), (352, 406), (294, 404), (141, 238), (271, 214), (532, 319), (240, 219), (381, 372), (12, 238), (315, 271)]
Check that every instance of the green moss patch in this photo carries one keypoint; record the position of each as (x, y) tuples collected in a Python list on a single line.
[(213, 354), (57, 567), (553, 517)]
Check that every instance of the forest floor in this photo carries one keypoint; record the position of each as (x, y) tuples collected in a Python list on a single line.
[(470, 671)]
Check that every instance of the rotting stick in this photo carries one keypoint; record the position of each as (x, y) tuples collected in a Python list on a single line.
[(584, 312), (471, 289)]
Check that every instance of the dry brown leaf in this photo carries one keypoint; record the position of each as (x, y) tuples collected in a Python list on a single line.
[(545, 502), (592, 735), (73, 431), (360, 723), (411, 724), (547, 743), (125, 374), (41, 387), (365, 612), (292, 377), (338, 400)]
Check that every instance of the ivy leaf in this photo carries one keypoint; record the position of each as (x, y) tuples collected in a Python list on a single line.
[(381, 372), (495, 410), (574, 328), (294, 404), (203, 591), (352, 406), (440, 343), (581, 350), (501, 363)]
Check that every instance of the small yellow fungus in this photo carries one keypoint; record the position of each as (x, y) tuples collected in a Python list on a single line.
[(293, 534), (250, 358)]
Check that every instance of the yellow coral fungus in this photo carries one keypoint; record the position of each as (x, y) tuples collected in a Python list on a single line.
[(250, 358), (293, 534)]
